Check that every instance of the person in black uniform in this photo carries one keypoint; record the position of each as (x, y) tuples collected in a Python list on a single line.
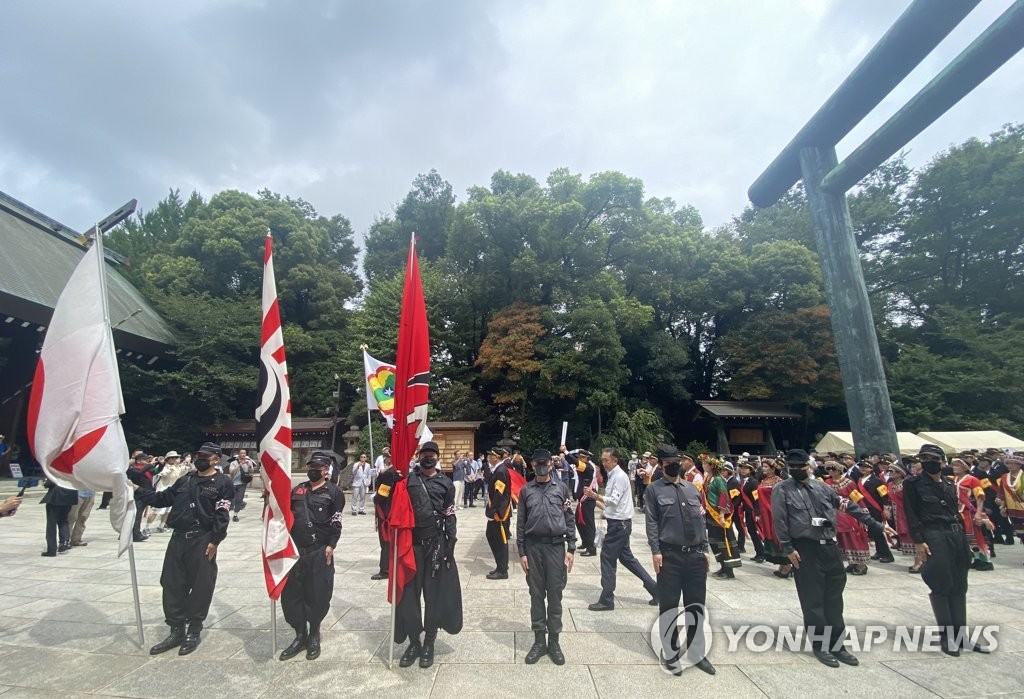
[(804, 515), (933, 517), (543, 528), (385, 483), (749, 509), (432, 497), (678, 538), (317, 506), (200, 505), (498, 509), (874, 497), (732, 482), (585, 478), (59, 502)]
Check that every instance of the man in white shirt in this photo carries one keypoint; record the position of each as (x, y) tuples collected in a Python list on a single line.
[(361, 479), (617, 503), (379, 462)]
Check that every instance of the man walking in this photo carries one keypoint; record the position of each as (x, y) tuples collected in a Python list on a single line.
[(617, 503), (544, 527), (585, 478), (679, 544), (200, 512), (804, 515), (317, 506), (460, 470), (361, 480)]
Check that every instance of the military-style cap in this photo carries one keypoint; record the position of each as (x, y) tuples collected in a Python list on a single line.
[(898, 468), (1014, 459), (797, 456), (318, 459), (210, 448), (541, 455), (931, 450), (430, 446), (499, 451), (666, 451)]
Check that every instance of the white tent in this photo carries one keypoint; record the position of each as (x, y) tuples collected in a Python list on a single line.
[(955, 442), (843, 442)]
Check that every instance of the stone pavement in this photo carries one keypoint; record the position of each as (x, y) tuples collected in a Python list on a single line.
[(68, 628)]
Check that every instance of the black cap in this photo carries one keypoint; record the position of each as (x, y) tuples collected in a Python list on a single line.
[(931, 450), (584, 452), (797, 456), (317, 459), (330, 458), (499, 451), (143, 457), (541, 455), (209, 448), (430, 446), (666, 451)]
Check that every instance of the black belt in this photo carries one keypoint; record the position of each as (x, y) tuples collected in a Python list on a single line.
[(820, 542), (424, 542), (699, 548), (545, 539), (945, 527), (191, 533), (311, 549)]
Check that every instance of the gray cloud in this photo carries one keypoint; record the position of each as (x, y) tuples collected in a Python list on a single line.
[(344, 103)]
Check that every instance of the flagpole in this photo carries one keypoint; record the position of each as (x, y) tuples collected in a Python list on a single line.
[(98, 242), (273, 628), (135, 593), (369, 425)]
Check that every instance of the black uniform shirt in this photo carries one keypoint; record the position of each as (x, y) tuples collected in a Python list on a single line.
[(499, 491), (196, 502), (433, 504), (795, 504), (545, 510), (386, 481), (317, 513), (584, 478), (675, 516), (929, 503)]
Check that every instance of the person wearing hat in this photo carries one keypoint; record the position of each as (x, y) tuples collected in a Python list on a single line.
[(873, 494), (168, 476), (933, 516), (642, 477), (546, 542), (773, 553), (748, 507), (851, 537), (719, 508), (989, 482), (586, 477), (436, 582), (678, 539), (317, 508), (897, 476), (385, 482), (1010, 496), (200, 512), (139, 473), (804, 512), (498, 509), (972, 513)]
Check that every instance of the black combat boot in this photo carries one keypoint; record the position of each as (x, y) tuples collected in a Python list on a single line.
[(192, 639), (297, 646), (427, 654), (539, 648), (313, 647), (172, 641), (411, 653), (555, 650)]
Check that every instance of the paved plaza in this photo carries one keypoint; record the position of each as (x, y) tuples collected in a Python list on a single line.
[(67, 628)]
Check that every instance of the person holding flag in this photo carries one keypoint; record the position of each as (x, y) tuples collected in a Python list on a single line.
[(200, 512), (317, 507), (498, 509)]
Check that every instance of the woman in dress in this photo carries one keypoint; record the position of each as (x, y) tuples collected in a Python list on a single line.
[(765, 527), (897, 473), (1010, 494), (718, 506), (851, 536)]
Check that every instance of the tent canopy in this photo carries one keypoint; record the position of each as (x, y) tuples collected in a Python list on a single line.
[(839, 442), (955, 442)]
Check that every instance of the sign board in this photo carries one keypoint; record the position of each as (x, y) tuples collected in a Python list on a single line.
[(16, 471)]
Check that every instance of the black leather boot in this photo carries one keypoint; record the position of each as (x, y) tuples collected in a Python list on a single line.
[(172, 641), (539, 648), (427, 654), (297, 646), (192, 639), (411, 653), (555, 650), (313, 646)]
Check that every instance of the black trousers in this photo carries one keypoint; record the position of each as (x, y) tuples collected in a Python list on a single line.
[(748, 519), (546, 577), (306, 597), (945, 574), (105, 500), (385, 549), (414, 607), (820, 581), (140, 509), (641, 488), (615, 550), (469, 493), (188, 579), (57, 523), (238, 502), (497, 539), (881, 544), (686, 575), (587, 528)]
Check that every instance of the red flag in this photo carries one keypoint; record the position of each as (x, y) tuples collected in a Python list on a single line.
[(412, 376), (274, 438), (516, 482)]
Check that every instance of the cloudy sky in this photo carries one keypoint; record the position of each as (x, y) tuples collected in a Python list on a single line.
[(344, 103)]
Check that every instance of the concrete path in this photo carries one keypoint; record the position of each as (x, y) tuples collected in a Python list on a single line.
[(67, 628)]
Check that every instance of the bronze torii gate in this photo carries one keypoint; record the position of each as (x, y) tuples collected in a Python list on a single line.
[(811, 155)]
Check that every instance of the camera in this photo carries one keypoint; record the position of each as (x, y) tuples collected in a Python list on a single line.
[(818, 521)]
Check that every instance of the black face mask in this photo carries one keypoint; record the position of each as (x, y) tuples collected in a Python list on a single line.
[(542, 468), (202, 465), (932, 468), (428, 463), (672, 469), (314, 474), (799, 474)]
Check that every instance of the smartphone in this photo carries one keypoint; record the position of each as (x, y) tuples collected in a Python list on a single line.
[(21, 493)]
